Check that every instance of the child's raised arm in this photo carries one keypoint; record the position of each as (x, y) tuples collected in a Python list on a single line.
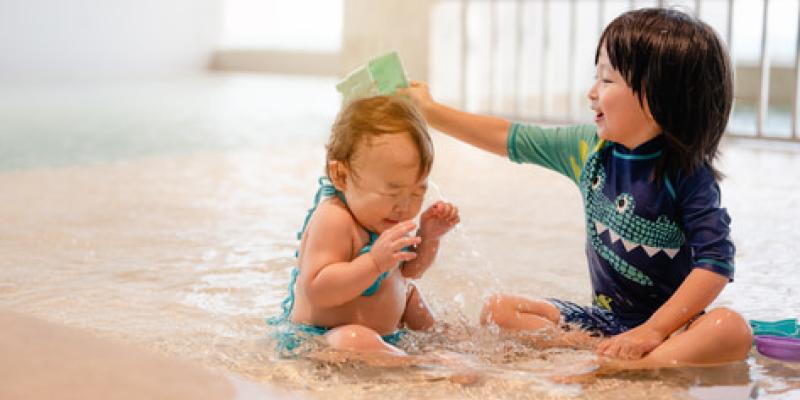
[(482, 131)]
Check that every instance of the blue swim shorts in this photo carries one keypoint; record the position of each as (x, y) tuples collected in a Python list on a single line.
[(591, 318)]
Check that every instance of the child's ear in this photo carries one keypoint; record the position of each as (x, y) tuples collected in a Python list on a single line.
[(338, 172)]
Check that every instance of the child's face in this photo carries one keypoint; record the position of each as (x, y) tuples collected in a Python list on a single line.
[(382, 185), (618, 115)]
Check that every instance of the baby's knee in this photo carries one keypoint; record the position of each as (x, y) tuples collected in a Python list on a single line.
[(354, 338)]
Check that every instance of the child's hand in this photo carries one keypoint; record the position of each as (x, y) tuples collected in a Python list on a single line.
[(387, 251), (437, 220), (631, 345), (419, 94)]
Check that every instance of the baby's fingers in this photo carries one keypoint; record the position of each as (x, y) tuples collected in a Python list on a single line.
[(405, 242), (401, 256), (433, 210), (452, 213), (399, 230)]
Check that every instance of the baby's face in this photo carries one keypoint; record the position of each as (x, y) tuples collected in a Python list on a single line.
[(383, 186)]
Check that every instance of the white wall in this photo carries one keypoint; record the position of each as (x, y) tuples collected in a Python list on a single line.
[(105, 38), (372, 28)]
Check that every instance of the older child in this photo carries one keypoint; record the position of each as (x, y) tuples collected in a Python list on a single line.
[(356, 258), (658, 243)]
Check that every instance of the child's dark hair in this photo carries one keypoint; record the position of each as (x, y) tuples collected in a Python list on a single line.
[(366, 118), (679, 64)]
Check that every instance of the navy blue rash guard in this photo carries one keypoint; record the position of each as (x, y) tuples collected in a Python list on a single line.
[(644, 237)]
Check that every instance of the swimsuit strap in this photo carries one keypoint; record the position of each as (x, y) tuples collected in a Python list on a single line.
[(288, 303), (377, 284), (326, 189)]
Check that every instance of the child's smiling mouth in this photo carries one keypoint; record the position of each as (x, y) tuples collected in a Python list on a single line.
[(598, 116)]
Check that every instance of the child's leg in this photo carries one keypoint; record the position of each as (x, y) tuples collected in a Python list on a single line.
[(359, 338), (717, 337), (417, 316), (519, 313)]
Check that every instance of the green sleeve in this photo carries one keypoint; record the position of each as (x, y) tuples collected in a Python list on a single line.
[(562, 149)]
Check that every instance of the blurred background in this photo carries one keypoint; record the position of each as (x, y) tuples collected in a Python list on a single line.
[(527, 59), (158, 156)]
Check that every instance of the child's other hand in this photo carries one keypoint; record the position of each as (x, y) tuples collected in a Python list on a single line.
[(437, 220), (419, 94), (387, 251), (631, 345)]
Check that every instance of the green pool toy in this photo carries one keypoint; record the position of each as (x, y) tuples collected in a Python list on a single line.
[(380, 76), (782, 328)]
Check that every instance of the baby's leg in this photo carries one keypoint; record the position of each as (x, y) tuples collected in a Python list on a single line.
[(365, 345), (417, 315), (359, 339)]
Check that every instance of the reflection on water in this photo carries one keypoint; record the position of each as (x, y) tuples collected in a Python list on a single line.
[(185, 245)]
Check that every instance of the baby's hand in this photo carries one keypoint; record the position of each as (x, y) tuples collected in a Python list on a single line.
[(387, 251), (437, 220)]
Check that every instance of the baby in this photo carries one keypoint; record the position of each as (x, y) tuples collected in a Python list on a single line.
[(356, 258)]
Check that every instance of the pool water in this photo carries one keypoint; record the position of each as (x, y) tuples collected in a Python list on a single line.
[(163, 213)]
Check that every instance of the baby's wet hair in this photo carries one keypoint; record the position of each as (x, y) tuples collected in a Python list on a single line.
[(367, 118), (680, 66)]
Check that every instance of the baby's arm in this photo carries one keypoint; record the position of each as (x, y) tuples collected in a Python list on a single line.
[(418, 315), (437, 220), (326, 278), (482, 131)]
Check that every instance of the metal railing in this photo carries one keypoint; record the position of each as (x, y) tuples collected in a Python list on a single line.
[(756, 108)]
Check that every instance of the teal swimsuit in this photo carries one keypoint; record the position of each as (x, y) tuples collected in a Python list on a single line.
[(289, 334)]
